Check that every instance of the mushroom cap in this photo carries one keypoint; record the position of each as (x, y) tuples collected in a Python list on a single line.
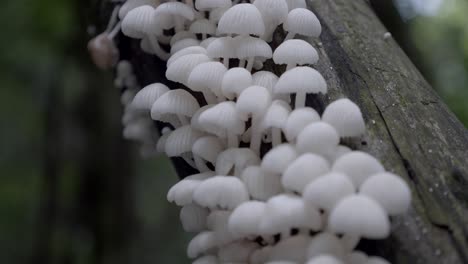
[(161, 144), (265, 78), (276, 115), (325, 259), (223, 47), (203, 26), (184, 43), (235, 80), (253, 101), (174, 102), (193, 218), (132, 4), (357, 257), (326, 191), (245, 219), (182, 35), (359, 215), (274, 12), (201, 243), (318, 137), (346, 117), (221, 192), (252, 47), (138, 22), (195, 121), (182, 192), (181, 140), (239, 158), (295, 51), (358, 166), (305, 169), (208, 148), (261, 185), (325, 243), (286, 211), (291, 249), (237, 252), (301, 80), (207, 76), (179, 70), (389, 190), (103, 51), (242, 19), (176, 9), (146, 97), (339, 151), (206, 260), (204, 5), (302, 21), (138, 130), (206, 42), (261, 255), (186, 51), (222, 119), (279, 158), (297, 120)]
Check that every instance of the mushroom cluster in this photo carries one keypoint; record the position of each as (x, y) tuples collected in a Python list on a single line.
[(274, 184)]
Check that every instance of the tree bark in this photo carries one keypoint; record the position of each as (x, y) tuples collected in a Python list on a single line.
[(409, 128)]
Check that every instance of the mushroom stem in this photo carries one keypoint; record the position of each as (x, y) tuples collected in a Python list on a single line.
[(157, 49), (256, 136), (203, 36), (114, 31), (232, 140), (250, 63), (276, 136), (241, 63), (183, 120), (189, 161), (290, 66), (201, 165), (290, 35), (113, 18), (300, 100), (226, 62)]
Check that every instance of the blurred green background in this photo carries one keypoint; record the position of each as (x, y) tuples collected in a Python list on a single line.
[(73, 191)]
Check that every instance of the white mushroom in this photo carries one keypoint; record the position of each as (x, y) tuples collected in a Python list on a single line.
[(235, 160), (179, 103), (358, 166), (325, 243), (274, 13), (237, 252), (186, 51), (193, 218), (179, 70), (182, 192), (225, 192), (261, 185), (325, 259), (245, 219), (302, 21), (319, 138), (145, 98), (290, 249), (295, 52), (201, 243), (207, 148), (206, 260), (235, 80), (203, 27), (207, 78), (242, 19), (250, 48), (359, 215), (275, 119), (346, 117), (297, 120), (223, 48), (305, 169), (278, 159)]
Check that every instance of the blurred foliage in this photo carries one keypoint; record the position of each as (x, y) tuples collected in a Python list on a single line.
[(442, 43), (56, 108)]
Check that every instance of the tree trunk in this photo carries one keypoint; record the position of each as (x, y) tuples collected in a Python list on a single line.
[(409, 128)]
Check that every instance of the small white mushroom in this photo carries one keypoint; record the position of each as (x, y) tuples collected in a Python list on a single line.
[(250, 48), (217, 222), (181, 141), (274, 13), (235, 80), (179, 11), (295, 52), (235, 160), (186, 51), (278, 159), (389, 190), (245, 219), (297, 120), (223, 48), (182, 192), (183, 44), (201, 243), (207, 78), (305, 169), (207, 148), (346, 117), (132, 4), (203, 27), (223, 121), (327, 190), (301, 81), (193, 218), (358, 166), (242, 19), (181, 35), (302, 21), (253, 103), (179, 103), (275, 119), (359, 215), (319, 137), (261, 185), (179, 70), (146, 97), (221, 192)]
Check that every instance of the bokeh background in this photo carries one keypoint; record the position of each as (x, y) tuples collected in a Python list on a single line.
[(72, 190)]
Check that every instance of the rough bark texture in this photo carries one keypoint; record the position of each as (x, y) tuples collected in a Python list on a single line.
[(409, 128)]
